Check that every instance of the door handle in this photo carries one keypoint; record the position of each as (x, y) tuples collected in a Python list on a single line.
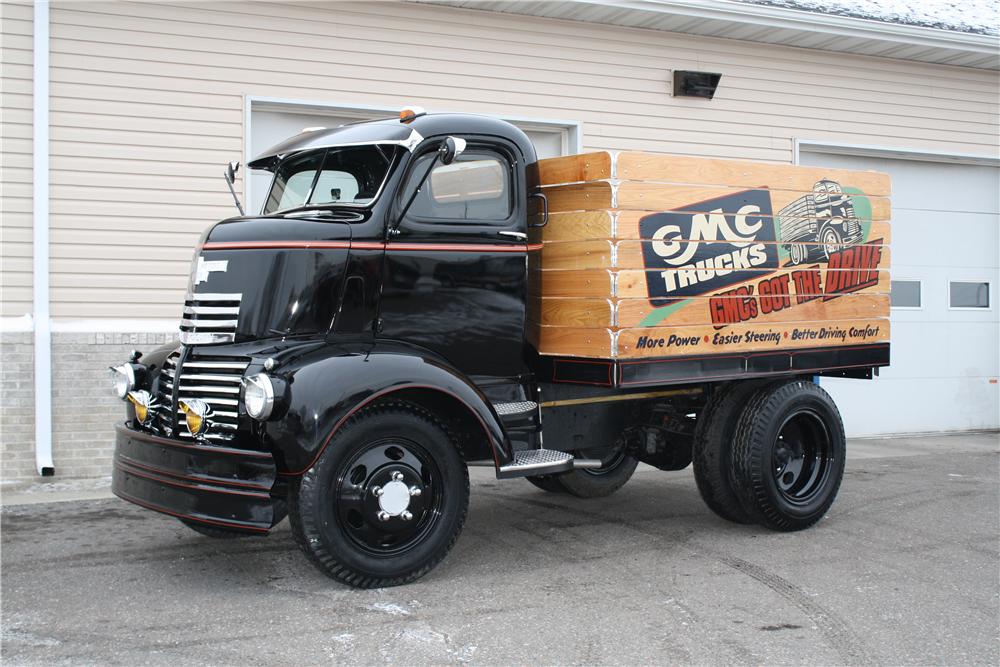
[(520, 236)]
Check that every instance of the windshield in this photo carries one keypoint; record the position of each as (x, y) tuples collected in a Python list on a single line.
[(349, 175)]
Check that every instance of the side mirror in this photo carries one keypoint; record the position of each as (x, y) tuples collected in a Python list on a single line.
[(450, 149)]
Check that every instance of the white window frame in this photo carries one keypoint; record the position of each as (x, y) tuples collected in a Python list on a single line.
[(571, 131), (902, 279), (975, 281)]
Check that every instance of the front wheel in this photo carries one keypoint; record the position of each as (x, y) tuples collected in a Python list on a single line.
[(385, 501), (788, 455)]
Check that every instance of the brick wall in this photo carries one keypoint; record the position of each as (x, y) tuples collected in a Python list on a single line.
[(17, 406), (84, 409)]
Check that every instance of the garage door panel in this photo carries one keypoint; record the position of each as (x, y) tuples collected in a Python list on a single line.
[(905, 405), (975, 236), (942, 349)]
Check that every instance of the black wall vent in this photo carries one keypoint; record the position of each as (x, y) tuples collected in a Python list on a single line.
[(695, 84)]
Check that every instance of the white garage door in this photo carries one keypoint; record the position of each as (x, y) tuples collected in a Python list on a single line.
[(944, 323), (271, 126)]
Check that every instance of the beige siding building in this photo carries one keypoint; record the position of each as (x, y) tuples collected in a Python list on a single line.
[(147, 101)]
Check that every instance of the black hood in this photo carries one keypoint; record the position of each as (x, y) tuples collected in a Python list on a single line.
[(284, 275)]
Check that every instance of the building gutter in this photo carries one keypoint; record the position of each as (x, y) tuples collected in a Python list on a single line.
[(768, 25), (40, 241)]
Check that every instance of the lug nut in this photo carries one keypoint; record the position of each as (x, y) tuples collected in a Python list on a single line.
[(377, 491), (383, 516), (415, 491), (406, 516), (397, 476)]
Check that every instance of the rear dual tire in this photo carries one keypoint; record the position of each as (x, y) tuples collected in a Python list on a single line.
[(771, 454)]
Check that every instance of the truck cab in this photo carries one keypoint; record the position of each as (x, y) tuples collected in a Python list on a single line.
[(347, 352)]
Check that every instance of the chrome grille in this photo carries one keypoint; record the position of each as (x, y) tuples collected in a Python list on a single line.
[(210, 318), (165, 393), (215, 380)]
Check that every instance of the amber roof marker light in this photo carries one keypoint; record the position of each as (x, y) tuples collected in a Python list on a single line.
[(410, 113)]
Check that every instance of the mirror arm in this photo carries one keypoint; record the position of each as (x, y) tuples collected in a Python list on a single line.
[(229, 175), (416, 191)]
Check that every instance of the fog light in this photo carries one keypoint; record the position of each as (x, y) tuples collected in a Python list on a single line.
[(144, 404), (258, 396), (197, 414), (122, 380)]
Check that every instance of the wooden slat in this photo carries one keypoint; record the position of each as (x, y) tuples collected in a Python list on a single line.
[(701, 340), (686, 170), (720, 311), (652, 197), (739, 173), (576, 168), (603, 254), (752, 337), (632, 283)]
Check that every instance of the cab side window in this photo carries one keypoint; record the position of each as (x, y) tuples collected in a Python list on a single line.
[(475, 187)]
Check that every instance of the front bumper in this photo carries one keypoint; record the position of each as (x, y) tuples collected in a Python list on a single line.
[(215, 485)]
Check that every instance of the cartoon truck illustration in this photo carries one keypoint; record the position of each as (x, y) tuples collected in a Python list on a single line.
[(816, 225)]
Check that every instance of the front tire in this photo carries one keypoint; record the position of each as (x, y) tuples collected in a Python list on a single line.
[(385, 501), (789, 454)]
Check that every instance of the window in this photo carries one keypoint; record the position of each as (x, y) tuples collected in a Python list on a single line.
[(904, 293), (969, 294), (473, 187), (352, 175)]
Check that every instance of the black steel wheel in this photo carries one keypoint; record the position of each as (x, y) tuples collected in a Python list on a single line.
[(711, 449), (600, 482), (386, 500), (219, 532), (789, 454), (549, 483)]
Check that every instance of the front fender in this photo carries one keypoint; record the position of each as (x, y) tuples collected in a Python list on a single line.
[(328, 385)]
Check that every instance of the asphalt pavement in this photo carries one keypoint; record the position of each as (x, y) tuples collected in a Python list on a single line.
[(905, 569)]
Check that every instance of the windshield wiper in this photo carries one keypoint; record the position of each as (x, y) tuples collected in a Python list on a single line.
[(350, 216)]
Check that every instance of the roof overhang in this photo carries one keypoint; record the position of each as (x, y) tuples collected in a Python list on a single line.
[(766, 24)]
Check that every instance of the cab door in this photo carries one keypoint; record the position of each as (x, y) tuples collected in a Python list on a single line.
[(456, 264)]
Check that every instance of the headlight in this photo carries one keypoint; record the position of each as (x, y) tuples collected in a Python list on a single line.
[(123, 380), (258, 396), (144, 403)]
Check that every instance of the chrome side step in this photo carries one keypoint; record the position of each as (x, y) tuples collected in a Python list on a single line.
[(518, 408), (529, 462)]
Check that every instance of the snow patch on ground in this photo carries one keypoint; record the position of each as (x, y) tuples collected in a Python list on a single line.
[(975, 16)]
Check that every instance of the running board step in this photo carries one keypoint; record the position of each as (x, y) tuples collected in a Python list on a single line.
[(518, 408), (530, 462)]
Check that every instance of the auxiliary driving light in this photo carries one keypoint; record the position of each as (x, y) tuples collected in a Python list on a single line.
[(196, 413), (122, 380), (258, 396), (144, 404)]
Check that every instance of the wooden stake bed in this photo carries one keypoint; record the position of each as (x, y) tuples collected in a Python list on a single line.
[(657, 258)]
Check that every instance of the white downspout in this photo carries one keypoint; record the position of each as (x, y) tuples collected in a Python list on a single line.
[(40, 241)]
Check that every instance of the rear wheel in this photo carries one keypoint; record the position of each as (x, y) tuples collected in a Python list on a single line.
[(711, 451), (386, 500), (788, 455), (603, 481)]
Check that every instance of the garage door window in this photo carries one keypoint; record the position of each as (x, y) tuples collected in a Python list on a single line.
[(969, 294), (905, 293)]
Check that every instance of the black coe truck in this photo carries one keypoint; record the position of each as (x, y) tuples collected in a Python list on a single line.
[(349, 350)]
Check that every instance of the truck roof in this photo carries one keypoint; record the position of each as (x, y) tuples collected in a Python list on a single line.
[(393, 131)]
